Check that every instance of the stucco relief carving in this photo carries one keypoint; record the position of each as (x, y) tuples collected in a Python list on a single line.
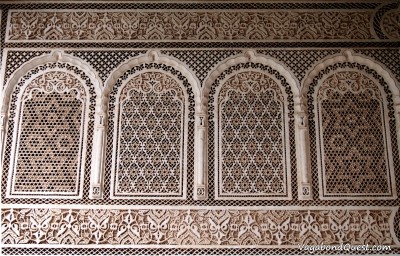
[(251, 136), (390, 24), (151, 142), (197, 227), (192, 25), (353, 136), (48, 157), (353, 127)]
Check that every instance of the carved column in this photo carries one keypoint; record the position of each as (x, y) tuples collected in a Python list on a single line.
[(303, 153), (98, 156), (200, 157), (3, 126), (396, 103)]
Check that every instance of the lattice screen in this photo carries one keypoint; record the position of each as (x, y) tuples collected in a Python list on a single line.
[(353, 137), (251, 133), (151, 129), (49, 136)]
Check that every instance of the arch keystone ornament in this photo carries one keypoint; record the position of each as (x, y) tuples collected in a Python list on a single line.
[(354, 97)]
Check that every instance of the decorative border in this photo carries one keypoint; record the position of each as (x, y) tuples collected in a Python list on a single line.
[(195, 227), (182, 25)]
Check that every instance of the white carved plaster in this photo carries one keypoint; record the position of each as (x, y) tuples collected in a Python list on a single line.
[(252, 56), (116, 148), (22, 97), (55, 56), (222, 226), (155, 57), (349, 56)]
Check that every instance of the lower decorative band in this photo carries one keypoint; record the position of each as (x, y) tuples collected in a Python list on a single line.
[(197, 227)]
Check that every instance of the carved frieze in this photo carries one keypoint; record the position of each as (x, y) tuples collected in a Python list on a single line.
[(197, 227), (184, 25)]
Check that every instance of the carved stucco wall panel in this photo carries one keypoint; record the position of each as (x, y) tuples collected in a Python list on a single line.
[(174, 238), (151, 149), (356, 152), (200, 47)]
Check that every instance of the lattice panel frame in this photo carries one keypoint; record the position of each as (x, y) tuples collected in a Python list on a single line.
[(51, 83), (188, 126), (387, 118), (238, 86), (214, 130), (153, 86), (13, 114)]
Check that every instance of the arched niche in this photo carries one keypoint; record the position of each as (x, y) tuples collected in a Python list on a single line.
[(156, 78), (48, 99), (354, 103), (265, 68)]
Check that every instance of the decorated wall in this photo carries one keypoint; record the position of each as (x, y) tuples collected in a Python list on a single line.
[(199, 128)]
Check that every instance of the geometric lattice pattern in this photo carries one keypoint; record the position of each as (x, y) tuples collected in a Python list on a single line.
[(353, 136), (163, 227), (104, 62), (50, 134), (16, 58), (201, 61), (150, 145), (251, 113), (299, 61)]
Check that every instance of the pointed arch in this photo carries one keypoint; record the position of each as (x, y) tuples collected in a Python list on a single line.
[(373, 79)]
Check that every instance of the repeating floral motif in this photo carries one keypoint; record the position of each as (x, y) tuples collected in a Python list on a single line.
[(188, 25), (196, 227), (391, 24), (152, 109), (251, 129), (51, 123), (353, 136)]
